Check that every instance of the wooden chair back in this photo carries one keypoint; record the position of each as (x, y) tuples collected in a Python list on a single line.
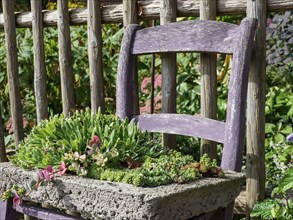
[(192, 36)]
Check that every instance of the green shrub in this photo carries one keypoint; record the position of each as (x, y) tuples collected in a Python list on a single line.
[(280, 209)]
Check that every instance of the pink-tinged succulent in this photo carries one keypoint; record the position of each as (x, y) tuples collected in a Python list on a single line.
[(46, 174), (17, 200), (95, 140), (39, 176), (62, 168), (50, 169)]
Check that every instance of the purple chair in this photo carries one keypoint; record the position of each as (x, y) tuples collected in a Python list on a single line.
[(192, 36)]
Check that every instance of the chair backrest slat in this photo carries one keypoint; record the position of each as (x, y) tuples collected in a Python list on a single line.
[(188, 125), (204, 36)]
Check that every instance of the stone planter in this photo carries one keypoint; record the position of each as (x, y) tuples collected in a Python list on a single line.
[(97, 199)]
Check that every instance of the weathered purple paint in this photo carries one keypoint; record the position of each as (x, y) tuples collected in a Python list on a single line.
[(186, 36), (7, 212), (235, 119), (126, 70), (189, 36), (188, 125), (42, 213), (205, 36), (10, 212)]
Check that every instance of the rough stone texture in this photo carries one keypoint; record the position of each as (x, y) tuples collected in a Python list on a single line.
[(96, 199)]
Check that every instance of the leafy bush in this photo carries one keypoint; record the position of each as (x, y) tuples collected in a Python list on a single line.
[(279, 120), (280, 209)]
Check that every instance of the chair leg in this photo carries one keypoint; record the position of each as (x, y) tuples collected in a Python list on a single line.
[(7, 212), (229, 211), (223, 213)]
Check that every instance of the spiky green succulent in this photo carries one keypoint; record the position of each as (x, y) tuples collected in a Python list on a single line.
[(107, 148), (52, 140)]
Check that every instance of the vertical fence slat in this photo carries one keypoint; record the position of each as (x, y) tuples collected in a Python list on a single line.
[(65, 59), (168, 14), (208, 64), (12, 69), (130, 17), (255, 174), (39, 61), (129, 12), (95, 55)]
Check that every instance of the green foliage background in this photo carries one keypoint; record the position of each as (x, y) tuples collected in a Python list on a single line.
[(279, 98)]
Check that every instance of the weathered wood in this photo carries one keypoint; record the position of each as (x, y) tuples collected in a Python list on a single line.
[(12, 69), (65, 59), (178, 37), (129, 12), (7, 212), (255, 164), (42, 213), (207, 36), (153, 67), (150, 10), (39, 61), (235, 120), (3, 157), (188, 125), (130, 17), (95, 55), (240, 39), (124, 83), (168, 14), (208, 70)]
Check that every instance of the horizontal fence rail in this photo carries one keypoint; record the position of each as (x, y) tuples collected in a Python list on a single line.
[(150, 10)]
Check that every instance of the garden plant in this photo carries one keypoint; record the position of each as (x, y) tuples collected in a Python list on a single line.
[(108, 150), (280, 205), (103, 147)]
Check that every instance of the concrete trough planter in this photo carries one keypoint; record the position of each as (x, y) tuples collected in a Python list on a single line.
[(95, 199)]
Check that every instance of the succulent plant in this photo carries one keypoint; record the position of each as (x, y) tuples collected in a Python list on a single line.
[(108, 148), (69, 139)]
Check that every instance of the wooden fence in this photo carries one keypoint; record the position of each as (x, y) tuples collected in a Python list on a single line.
[(128, 12)]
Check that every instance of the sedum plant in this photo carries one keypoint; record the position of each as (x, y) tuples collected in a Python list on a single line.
[(105, 147)]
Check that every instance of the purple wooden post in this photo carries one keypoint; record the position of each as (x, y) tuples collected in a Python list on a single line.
[(125, 80), (7, 212), (235, 121)]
